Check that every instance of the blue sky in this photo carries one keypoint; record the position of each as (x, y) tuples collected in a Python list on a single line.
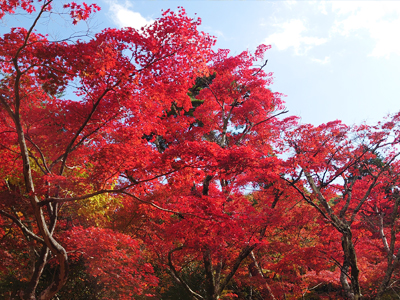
[(333, 59)]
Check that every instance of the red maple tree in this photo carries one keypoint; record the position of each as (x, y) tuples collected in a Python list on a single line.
[(349, 176), (142, 160), (56, 150)]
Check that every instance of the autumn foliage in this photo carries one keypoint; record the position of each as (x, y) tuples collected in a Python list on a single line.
[(145, 164)]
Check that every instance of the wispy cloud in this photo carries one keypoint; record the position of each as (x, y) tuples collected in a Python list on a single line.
[(381, 19), (125, 16), (324, 61), (378, 21), (293, 34)]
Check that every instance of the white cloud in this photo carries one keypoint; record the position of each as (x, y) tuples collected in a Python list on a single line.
[(324, 61), (381, 19), (124, 16), (217, 33), (291, 34), (321, 7), (290, 3)]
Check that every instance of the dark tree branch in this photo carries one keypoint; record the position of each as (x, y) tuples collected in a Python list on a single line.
[(22, 226), (177, 277)]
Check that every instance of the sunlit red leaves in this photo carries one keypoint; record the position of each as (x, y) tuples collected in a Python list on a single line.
[(199, 173), (97, 141), (9, 6), (81, 11), (353, 169), (238, 87)]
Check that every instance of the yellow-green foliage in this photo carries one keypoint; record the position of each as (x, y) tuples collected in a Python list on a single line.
[(97, 208)]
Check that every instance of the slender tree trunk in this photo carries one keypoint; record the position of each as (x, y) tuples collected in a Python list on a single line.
[(350, 259), (45, 231), (256, 270), (393, 260), (386, 280), (29, 292), (343, 279)]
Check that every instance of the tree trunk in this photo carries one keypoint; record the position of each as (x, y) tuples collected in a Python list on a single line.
[(29, 292), (350, 259), (386, 280)]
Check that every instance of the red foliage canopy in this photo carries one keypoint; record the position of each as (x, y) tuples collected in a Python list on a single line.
[(142, 154)]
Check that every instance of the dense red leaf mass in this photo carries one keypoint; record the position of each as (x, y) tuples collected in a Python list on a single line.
[(143, 164), (115, 259)]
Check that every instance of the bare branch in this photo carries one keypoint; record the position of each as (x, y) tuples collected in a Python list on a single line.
[(259, 70), (22, 226), (243, 254), (348, 192), (247, 130), (177, 277), (118, 191), (253, 258), (383, 236), (309, 201)]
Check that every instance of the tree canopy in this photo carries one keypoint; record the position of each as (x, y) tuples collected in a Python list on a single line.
[(145, 164)]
